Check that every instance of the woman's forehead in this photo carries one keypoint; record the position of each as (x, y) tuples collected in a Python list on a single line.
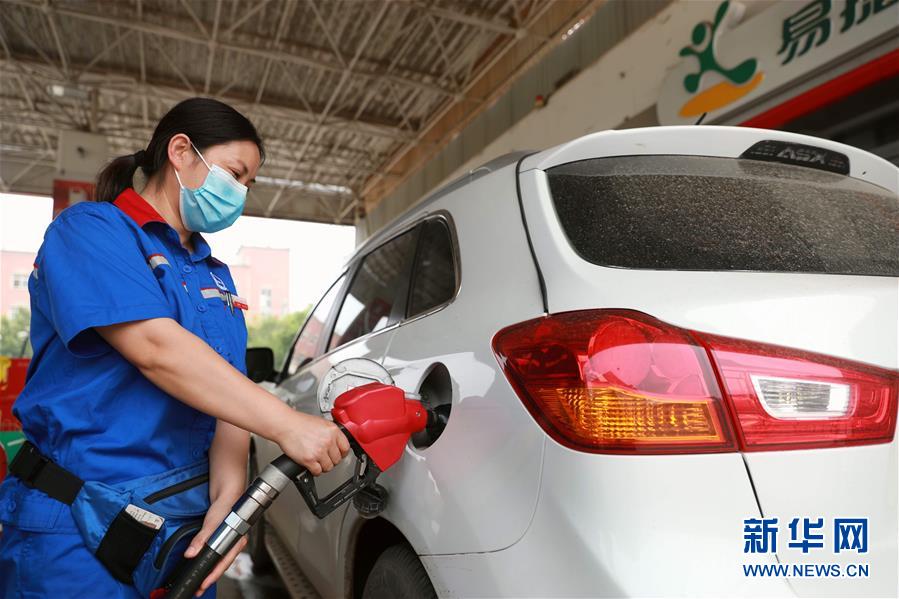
[(243, 152)]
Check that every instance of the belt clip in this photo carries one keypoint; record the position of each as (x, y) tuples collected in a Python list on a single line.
[(32, 461)]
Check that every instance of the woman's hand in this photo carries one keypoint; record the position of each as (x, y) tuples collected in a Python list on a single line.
[(227, 481), (313, 442), (216, 514)]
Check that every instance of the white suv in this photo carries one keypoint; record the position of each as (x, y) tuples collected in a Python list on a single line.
[(669, 356)]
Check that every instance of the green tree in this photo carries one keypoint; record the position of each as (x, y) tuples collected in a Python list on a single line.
[(13, 332), (276, 332)]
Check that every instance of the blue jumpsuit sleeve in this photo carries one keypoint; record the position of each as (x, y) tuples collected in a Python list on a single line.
[(94, 273)]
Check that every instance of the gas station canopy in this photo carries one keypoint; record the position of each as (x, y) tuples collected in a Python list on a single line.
[(350, 97)]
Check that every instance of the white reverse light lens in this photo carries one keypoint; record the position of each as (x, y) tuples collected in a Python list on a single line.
[(797, 399)]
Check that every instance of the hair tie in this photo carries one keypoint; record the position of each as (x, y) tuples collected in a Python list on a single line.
[(139, 157)]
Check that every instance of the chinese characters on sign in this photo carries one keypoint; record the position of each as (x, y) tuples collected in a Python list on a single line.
[(810, 25), (857, 11), (849, 534)]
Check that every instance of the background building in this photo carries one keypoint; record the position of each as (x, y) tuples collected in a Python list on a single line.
[(15, 268), (262, 277)]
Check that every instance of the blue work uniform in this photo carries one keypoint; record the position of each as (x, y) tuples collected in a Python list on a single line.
[(84, 405)]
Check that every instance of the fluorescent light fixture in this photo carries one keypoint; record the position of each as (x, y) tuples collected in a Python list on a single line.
[(316, 187), (573, 28), (62, 90)]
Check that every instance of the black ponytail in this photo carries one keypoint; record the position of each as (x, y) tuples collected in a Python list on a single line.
[(205, 121), (116, 177)]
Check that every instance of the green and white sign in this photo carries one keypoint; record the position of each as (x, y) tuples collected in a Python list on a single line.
[(725, 65)]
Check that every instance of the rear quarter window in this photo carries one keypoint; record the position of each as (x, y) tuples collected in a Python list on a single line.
[(706, 213), (376, 286), (434, 275)]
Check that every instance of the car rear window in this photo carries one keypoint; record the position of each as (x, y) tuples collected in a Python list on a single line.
[(704, 213)]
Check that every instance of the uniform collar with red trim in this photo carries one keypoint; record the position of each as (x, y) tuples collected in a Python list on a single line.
[(134, 205), (131, 203)]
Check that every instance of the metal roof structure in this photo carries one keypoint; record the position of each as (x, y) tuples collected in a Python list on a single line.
[(350, 96)]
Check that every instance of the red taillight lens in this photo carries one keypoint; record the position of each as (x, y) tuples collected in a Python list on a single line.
[(616, 381), (790, 399), (620, 381)]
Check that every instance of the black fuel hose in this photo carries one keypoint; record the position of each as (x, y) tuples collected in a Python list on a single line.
[(194, 573), (245, 512)]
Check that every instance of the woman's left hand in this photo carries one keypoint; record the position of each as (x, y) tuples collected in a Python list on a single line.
[(216, 514)]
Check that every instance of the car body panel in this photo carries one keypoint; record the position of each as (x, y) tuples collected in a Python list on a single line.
[(846, 482), (622, 526), (490, 441)]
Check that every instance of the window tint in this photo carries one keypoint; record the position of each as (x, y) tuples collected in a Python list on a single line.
[(434, 278), (308, 341), (703, 213), (377, 285)]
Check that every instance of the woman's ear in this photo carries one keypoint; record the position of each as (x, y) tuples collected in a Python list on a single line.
[(179, 150)]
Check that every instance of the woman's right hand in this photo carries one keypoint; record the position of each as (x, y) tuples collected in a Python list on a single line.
[(313, 442)]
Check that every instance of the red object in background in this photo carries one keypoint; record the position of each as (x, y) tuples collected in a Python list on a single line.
[(11, 384), (67, 193), (10, 387), (827, 93)]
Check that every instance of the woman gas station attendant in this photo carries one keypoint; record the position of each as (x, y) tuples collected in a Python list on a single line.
[(136, 407)]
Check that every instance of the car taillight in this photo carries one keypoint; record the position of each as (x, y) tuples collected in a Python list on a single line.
[(620, 381), (616, 381), (790, 399)]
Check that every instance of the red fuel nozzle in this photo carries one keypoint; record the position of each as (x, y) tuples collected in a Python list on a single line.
[(380, 419)]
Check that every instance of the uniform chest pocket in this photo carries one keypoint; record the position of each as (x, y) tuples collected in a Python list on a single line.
[(211, 312), (223, 320)]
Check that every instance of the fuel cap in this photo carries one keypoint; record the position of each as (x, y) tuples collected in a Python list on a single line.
[(371, 501)]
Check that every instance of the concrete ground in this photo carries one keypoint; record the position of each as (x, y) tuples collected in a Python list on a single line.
[(239, 582)]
